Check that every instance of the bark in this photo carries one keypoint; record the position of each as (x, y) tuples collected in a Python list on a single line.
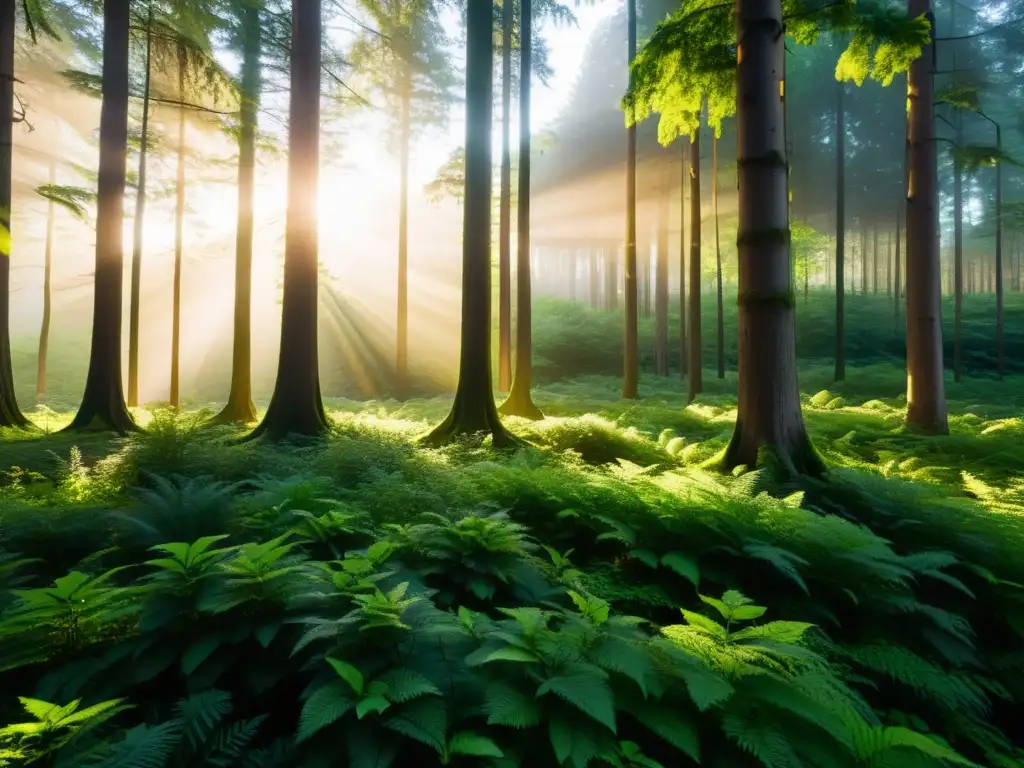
[(44, 330), (768, 413), (402, 302), (682, 265), (694, 341), (720, 320), (505, 206), (10, 413), (239, 408), (179, 220), (296, 407), (840, 371), (103, 405), (594, 278), (474, 413), (661, 291), (520, 399), (926, 399), (630, 361), (135, 296)]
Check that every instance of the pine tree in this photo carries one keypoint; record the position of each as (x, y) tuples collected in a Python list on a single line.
[(296, 407), (474, 411)]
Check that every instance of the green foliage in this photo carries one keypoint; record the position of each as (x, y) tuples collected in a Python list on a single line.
[(72, 199), (689, 63)]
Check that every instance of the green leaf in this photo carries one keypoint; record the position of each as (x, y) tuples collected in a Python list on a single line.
[(466, 743), (748, 612), (704, 624), (586, 688), (349, 674), (510, 654), (371, 704), (671, 725), (406, 684), (425, 720), (504, 704), (645, 556), (328, 704), (684, 565), (199, 652)]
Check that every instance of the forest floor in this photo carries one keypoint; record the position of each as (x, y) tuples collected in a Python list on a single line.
[(906, 557)]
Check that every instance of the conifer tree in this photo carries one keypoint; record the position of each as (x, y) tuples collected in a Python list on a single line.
[(473, 412), (694, 56), (296, 407), (405, 60)]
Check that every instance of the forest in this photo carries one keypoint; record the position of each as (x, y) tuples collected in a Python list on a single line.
[(511, 383)]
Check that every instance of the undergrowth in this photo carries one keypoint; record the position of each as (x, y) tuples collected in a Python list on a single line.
[(175, 598)]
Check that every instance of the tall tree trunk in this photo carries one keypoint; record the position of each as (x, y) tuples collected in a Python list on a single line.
[(958, 262), (103, 405), (10, 413), (402, 302), (768, 413), (683, 184), (296, 406), (505, 206), (840, 371), (630, 359), (179, 233), (661, 290), (239, 408), (1000, 334), (926, 398), (44, 330), (520, 399), (720, 320), (694, 342), (135, 297), (474, 411)]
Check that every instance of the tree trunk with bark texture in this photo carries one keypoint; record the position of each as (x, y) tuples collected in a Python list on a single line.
[(926, 397), (840, 370), (474, 411), (44, 330), (505, 206), (630, 361), (240, 408), (10, 413), (864, 257), (179, 234), (998, 275), (720, 320), (768, 414), (296, 407), (593, 278), (520, 398), (103, 405), (694, 364), (661, 291), (135, 297)]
